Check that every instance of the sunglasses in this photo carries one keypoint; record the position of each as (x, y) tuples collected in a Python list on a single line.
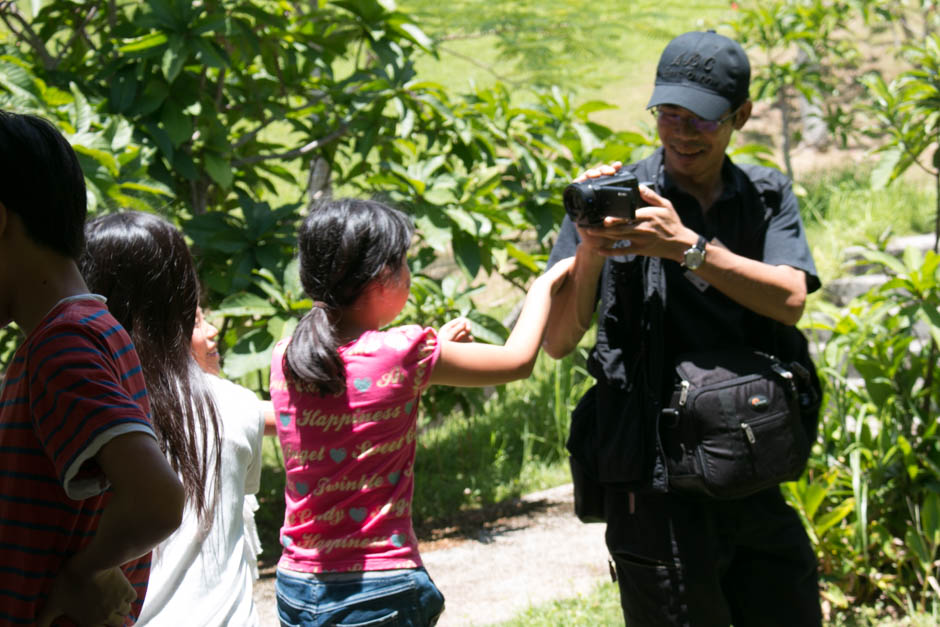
[(669, 118)]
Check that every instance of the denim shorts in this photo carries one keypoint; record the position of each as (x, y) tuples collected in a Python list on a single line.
[(400, 597)]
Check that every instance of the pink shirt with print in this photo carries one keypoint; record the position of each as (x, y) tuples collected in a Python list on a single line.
[(350, 457)]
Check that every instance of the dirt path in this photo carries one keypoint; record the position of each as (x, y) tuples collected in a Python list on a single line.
[(539, 554)]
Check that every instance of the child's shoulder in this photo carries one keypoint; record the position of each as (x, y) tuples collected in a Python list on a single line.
[(76, 318), (404, 338)]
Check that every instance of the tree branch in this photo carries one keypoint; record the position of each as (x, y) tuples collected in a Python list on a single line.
[(78, 33), (8, 12), (298, 152), (482, 66)]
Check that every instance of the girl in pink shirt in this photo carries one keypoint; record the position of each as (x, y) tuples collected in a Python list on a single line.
[(346, 397)]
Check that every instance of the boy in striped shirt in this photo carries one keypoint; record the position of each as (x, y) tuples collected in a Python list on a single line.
[(85, 491)]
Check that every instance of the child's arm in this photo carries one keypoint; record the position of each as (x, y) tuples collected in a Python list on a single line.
[(474, 365), (146, 506), (270, 424)]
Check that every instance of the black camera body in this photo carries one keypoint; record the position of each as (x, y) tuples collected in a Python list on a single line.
[(591, 200)]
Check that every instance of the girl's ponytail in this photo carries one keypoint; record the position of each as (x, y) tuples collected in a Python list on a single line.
[(313, 353), (343, 244)]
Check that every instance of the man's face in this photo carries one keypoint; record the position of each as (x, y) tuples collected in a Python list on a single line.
[(690, 152)]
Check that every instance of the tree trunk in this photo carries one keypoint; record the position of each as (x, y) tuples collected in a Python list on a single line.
[(785, 116)]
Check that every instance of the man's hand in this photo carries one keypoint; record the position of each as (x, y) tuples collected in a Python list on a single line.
[(656, 231), (101, 598)]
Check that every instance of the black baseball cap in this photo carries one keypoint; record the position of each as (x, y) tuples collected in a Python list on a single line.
[(704, 72)]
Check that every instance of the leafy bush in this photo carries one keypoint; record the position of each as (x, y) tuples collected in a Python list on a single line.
[(871, 497)]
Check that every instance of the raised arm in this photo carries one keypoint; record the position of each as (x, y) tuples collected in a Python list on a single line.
[(573, 306), (474, 365)]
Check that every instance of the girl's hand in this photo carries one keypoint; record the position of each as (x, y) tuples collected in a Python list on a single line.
[(558, 274), (601, 170), (456, 330)]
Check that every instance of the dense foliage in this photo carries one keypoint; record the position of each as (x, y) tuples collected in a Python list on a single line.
[(230, 116)]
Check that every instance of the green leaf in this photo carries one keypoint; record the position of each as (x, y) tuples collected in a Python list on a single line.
[(486, 328), (151, 187), (153, 97), (210, 54), (143, 44), (245, 304), (413, 33), (219, 169), (885, 171), (105, 159), (162, 140), (174, 57), (176, 123), (123, 91), (915, 543), (83, 111), (834, 516), (252, 352), (884, 259), (466, 252), (813, 496), (930, 518)]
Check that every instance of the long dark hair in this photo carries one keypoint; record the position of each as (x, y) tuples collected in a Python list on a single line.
[(141, 264), (343, 245)]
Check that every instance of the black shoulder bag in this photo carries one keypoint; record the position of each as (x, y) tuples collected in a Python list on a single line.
[(735, 424)]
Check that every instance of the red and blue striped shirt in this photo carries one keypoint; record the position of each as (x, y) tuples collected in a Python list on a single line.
[(73, 385)]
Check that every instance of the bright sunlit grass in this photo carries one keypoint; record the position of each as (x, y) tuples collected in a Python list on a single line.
[(635, 34), (599, 608)]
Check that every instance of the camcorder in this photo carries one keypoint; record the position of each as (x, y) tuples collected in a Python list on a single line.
[(589, 202)]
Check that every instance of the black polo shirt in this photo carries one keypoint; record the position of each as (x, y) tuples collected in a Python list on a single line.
[(757, 216)]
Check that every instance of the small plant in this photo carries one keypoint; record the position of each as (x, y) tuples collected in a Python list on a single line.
[(871, 492)]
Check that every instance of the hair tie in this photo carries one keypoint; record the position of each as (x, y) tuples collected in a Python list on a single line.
[(319, 304)]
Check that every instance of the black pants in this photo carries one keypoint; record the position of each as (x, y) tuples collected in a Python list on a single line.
[(683, 561)]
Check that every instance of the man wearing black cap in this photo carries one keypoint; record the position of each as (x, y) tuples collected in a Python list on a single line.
[(719, 259)]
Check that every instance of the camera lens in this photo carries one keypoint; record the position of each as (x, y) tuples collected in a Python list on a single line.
[(574, 201)]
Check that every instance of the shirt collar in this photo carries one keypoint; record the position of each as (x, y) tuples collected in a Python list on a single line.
[(731, 184)]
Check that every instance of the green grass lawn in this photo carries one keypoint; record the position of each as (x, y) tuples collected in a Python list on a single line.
[(612, 57)]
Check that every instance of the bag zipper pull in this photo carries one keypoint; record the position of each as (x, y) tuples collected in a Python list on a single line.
[(782, 372), (748, 432), (786, 375), (683, 392)]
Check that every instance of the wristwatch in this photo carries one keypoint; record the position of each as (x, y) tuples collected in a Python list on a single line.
[(695, 256)]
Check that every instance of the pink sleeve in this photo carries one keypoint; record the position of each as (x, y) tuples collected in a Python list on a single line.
[(422, 355)]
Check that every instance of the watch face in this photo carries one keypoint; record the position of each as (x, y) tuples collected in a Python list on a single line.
[(694, 258)]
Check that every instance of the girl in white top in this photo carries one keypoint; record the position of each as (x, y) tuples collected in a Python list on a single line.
[(203, 577), (202, 574)]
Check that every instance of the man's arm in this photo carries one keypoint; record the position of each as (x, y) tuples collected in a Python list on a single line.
[(145, 507), (774, 291), (777, 292)]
